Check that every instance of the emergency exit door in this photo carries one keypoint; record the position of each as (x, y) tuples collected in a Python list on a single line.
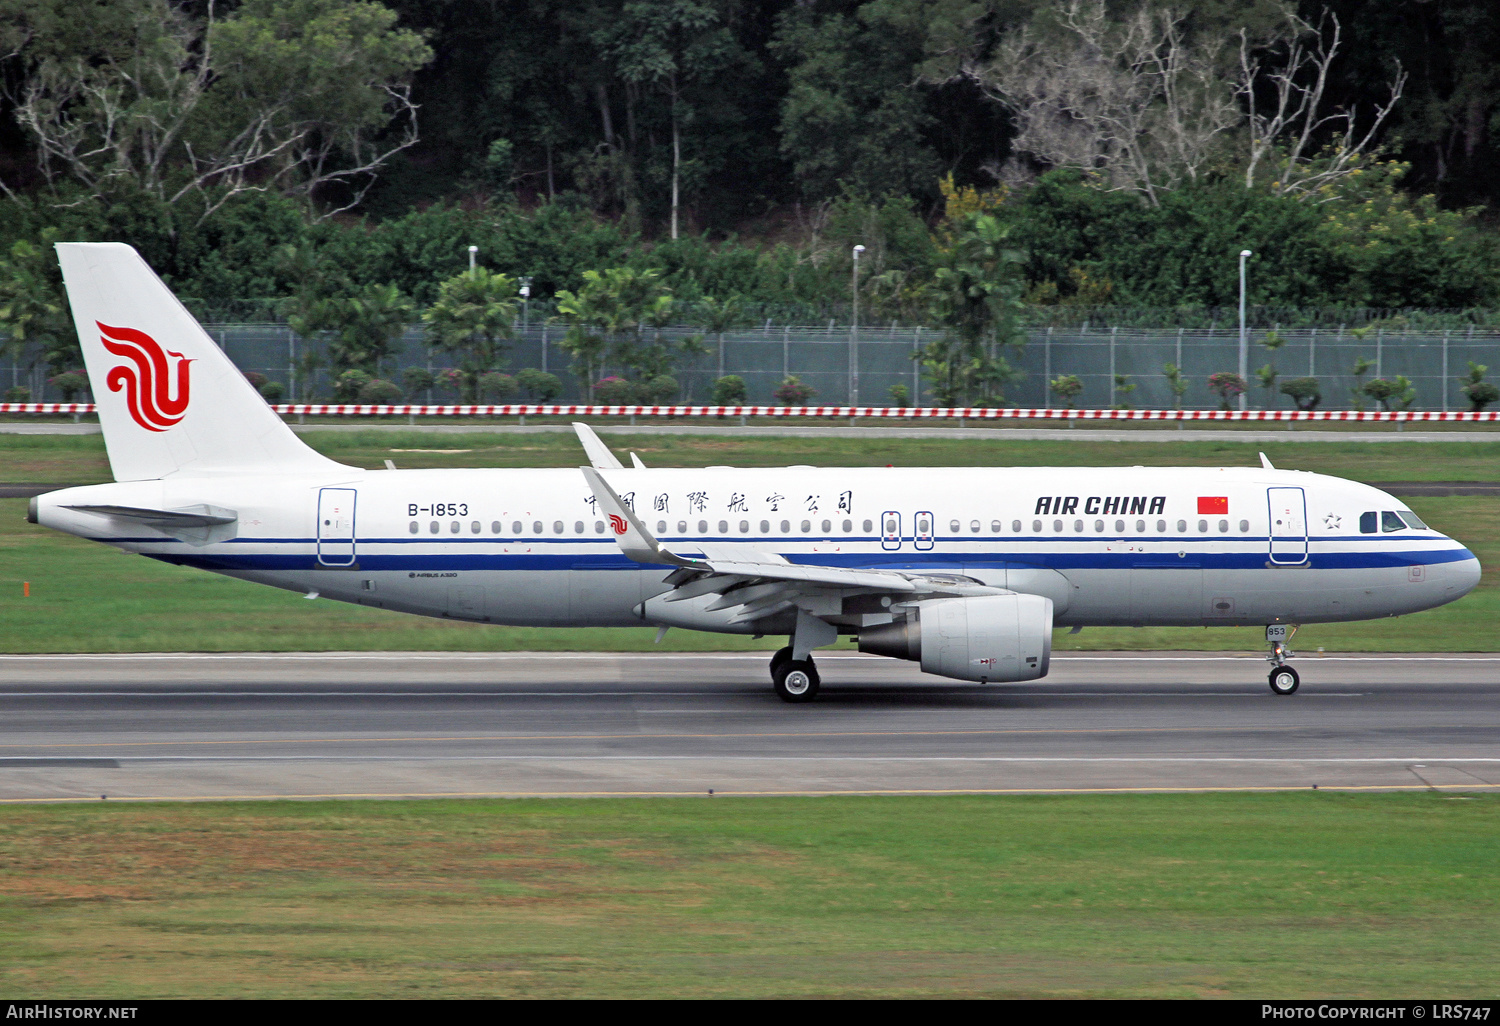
[(336, 526)]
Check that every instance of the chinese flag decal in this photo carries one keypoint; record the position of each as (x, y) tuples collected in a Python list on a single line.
[(1213, 504)]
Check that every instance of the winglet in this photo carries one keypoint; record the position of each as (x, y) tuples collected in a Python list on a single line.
[(634, 540), (1266, 463), (635, 461), (597, 452)]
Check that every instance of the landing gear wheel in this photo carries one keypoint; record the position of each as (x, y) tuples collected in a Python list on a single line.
[(781, 656), (796, 681), (1284, 680)]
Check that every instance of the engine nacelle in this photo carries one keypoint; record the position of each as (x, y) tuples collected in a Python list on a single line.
[(986, 638)]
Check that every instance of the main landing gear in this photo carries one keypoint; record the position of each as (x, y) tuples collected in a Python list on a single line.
[(1283, 679), (796, 680)]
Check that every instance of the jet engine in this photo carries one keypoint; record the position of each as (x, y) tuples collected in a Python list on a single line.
[(985, 638)]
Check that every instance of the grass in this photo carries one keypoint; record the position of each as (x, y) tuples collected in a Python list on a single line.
[(1295, 895), (89, 598)]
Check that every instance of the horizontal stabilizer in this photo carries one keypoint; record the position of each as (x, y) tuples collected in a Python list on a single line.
[(197, 525)]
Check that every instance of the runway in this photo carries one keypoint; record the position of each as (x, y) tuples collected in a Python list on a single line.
[(389, 725)]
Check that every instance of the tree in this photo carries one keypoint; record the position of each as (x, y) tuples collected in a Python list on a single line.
[(1067, 387), (371, 322), (667, 43), (1478, 391), (299, 95), (1177, 383), (1306, 393), (977, 294), (474, 318), (1227, 386), (33, 309), (1387, 392)]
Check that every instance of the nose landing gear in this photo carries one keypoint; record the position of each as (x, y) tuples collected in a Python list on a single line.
[(1283, 679)]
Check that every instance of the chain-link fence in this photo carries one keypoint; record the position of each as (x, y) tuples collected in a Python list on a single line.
[(1116, 365)]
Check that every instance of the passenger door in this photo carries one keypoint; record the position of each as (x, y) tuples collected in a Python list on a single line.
[(1288, 523), (336, 526)]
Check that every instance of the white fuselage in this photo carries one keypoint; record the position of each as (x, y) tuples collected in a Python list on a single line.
[(525, 547)]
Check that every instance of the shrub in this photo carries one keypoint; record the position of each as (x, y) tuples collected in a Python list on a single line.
[(658, 391), (497, 387), (1067, 387), (793, 392), (256, 379), (1305, 392), (615, 391), (418, 379), (730, 390), (540, 386), (70, 383), (900, 396), (1388, 392), (379, 392), (272, 391), (346, 387), (1479, 391), (1226, 386), (18, 394)]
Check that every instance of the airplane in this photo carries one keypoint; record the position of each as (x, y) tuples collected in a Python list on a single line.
[(966, 572)]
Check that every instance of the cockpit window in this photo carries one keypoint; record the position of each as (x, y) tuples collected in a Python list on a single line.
[(1368, 523), (1390, 522), (1412, 520)]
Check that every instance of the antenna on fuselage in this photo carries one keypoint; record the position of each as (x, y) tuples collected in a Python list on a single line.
[(1265, 462)]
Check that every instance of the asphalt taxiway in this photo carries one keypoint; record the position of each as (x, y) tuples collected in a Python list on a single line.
[(515, 724)]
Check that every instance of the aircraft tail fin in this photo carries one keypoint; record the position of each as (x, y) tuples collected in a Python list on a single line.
[(169, 399)]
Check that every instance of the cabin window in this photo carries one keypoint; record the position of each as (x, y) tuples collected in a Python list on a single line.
[(1057, 525), (1203, 527), (661, 527), (1412, 520), (578, 527), (454, 527), (1078, 526), (1036, 527), (415, 527), (1099, 526), (744, 527), (995, 527), (723, 527), (1390, 522), (1244, 527), (974, 526), (954, 527), (598, 527), (1223, 527), (495, 527), (557, 527), (786, 527), (1015, 526), (1368, 523), (1182, 527), (435, 528), (807, 527), (848, 527), (1161, 527), (703, 527), (476, 527), (515, 528), (1119, 527), (682, 527), (537, 528), (765, 527), (869, 526), (1140, 527), (827, 526)]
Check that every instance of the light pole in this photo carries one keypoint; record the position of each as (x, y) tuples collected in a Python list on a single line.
[(854, 333), (473, 252), (525, 303), (1244, 338)]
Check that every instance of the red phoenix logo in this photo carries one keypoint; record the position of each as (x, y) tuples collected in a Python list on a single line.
[(617, 523), (146, 378)]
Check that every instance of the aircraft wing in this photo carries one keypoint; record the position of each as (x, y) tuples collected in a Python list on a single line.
[(763, 583)]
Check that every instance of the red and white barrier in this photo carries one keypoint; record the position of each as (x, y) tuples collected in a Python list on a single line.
[(836, 412)]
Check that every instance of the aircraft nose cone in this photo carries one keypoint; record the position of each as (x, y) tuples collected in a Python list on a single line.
[(1460, 576)]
